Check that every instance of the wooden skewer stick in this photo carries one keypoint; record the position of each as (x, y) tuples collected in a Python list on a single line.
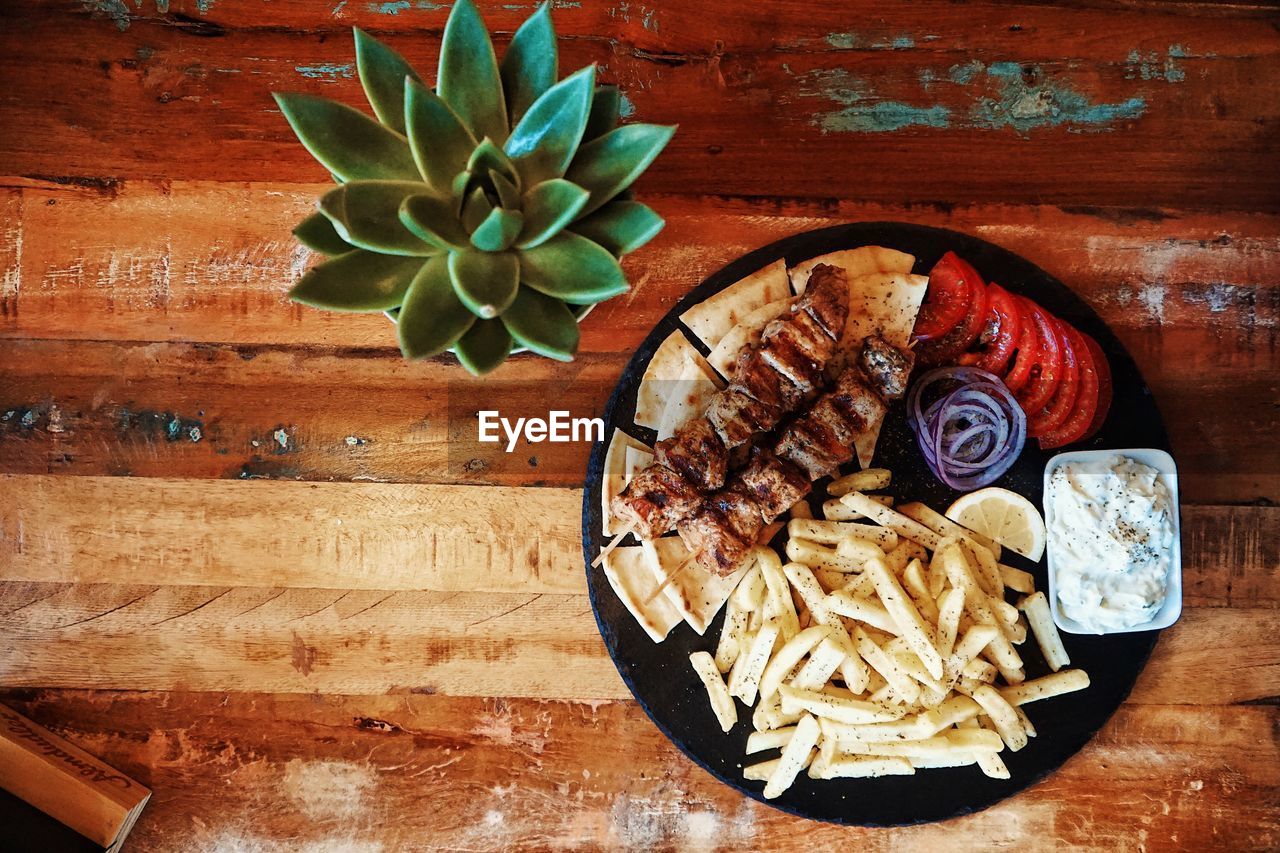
[(688, 561), (613, 543)]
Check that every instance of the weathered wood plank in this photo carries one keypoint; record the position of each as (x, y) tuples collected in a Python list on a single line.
[(269, 772), (157, 637), (420, 537), (357, 536), (931, 106)]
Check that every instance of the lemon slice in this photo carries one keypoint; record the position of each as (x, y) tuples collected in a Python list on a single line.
[(1005, 516)]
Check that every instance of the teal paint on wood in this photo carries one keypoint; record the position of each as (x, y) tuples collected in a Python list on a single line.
[(326, 71), (1028, 100), (857, 41), (1150, 66)]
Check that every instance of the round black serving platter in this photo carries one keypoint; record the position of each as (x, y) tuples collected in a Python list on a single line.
[(659, 674)]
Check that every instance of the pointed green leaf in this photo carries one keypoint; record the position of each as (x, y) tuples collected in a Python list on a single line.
[(383, 73), (543, 143), (608, 165), (350, 144), (606, 107), (498, 230), (548, 208), (486, 282), (488, 157), (357, 281), (620, 226), (316, 233), (440, 142), (475, 210), (432, 318), (572, 268), (433, 219), (543, 324), (508, 193), (485, 346), (529, 67), (367, 214), (468, 79)]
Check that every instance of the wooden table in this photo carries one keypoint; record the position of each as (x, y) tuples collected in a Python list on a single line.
[(237, 564)]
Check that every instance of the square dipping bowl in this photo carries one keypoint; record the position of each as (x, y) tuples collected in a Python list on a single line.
[(1172, 607)]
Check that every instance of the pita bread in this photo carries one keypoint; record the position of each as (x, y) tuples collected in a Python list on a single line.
[(855, 263), (712, 318), (660, 377), (617, 472), (689, 396), (627, 569), (726, 350), (884, 304), (696, 593)]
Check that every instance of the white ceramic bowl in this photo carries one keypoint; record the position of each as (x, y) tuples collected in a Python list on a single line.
[(1172, 607)]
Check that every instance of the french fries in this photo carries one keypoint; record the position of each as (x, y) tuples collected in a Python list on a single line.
[(880, 646)]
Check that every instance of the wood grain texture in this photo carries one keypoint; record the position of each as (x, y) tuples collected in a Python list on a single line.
[(781, 96), (354, 773)]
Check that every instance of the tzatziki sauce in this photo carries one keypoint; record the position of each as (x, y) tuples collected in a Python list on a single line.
[(1111, 537)]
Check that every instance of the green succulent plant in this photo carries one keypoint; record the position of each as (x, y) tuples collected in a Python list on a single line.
[(486, 213)]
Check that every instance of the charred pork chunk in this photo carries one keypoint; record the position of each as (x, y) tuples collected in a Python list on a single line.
[(812, 448), (782, 354), (696, 451), (754, 377), (885, 366), (709, 536), (737, 416), (655, 499), (774, 484), (826, 299)]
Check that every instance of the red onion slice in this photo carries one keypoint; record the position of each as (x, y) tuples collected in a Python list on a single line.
[(972, 430)]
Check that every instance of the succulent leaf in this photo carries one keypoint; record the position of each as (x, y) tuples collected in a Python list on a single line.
[(543, 144), (498, 230), (350, 144), (548, 208), (475, 209), (620, 226), (317, 234), (543, 324), (367, 214), (432, 317), (434, 220), (606, 108), (357, 281), (485, 346), (572, 268), (486, 282), (383, 73), (608, 165), (468, 78), (489, 157), (508, 193), (440, 142), (530, 65)]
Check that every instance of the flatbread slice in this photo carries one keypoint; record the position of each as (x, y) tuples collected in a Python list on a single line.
[(660, 377), (726, 350), (712, 318), (617, 472), (855, 263), (690, 395), (628, 572), (696, 593)]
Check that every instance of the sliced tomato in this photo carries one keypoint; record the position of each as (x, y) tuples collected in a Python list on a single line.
[(1046, 371), (1004, 324), (1028, 349), (1083, 414), (947, 300), (1103, 367), (950, 347), (1063, 402)]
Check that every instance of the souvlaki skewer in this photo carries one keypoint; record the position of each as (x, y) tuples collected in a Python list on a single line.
[(770, 381)]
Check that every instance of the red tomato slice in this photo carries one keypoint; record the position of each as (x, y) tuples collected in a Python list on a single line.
[(1100, 364), (1064, 400), (1084, 413), (947, 299), (950, 347), (1028, 350), (1004, 322), (1046, 372)]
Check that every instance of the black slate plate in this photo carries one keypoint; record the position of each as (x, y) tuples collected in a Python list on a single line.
[(659, 675)]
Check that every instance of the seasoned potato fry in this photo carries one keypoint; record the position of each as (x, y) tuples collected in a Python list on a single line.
[(731, 635), (955, 759), (888, 668), (754, 662), (750, 590), (943, 526), (864, 610), (866, 768), (823, 661), (776, 739), (891, 518), (1065, 681), (1036, 606), (801, 509), (829, 580), (762, 771), (817, 556), (977, 606), (911, 624), (796, 754), (832, 532), (721, 702), (791, 653), (777, 594), (985, 569), (1017, 580), (950, 609), (768, 715), (837, 708), (992, 765), (979, 670), (868, 480), (1002, 715), (834, 510), (917, 586)]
